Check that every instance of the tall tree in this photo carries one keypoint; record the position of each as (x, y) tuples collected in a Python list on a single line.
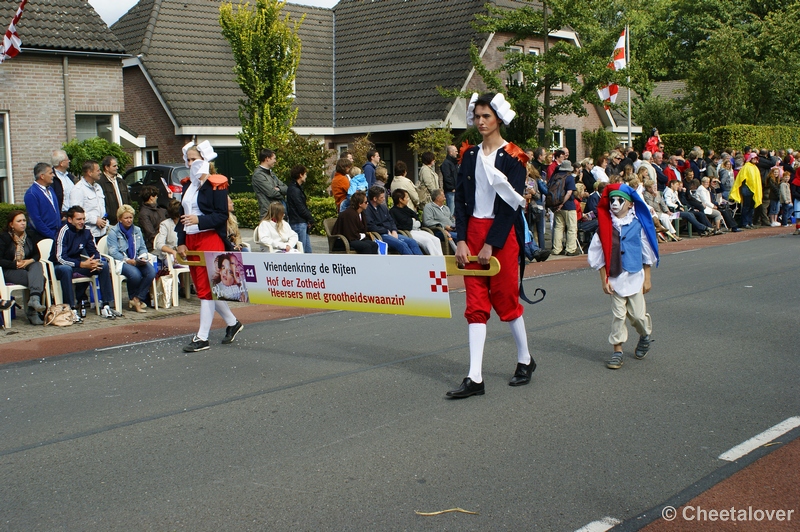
[(266, 50), (528, 79)]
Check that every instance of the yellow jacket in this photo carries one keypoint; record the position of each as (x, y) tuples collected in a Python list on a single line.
[(750, 176)]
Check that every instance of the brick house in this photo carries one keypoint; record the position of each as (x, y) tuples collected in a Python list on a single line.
[(66, 84), (365, 67)]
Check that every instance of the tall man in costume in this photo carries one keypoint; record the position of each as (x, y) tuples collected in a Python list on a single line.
[(622, 249), (489, 202)]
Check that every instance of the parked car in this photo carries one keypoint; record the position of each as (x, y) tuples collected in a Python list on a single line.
[(156, 175)]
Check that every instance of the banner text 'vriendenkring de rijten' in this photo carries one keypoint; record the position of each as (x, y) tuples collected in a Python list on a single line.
[(413, 285)]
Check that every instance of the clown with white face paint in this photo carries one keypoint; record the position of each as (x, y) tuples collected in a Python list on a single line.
[(623, 249)]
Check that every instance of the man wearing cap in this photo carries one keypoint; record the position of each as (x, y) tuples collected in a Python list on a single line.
[(623, 249), (565, 215)]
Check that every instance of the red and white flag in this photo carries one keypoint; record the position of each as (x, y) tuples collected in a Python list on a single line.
[(11, 40), (618, 61)]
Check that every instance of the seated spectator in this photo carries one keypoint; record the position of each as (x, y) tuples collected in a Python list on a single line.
[(166, 241), (711, 209), (658, 209), (594, 198), (341, 181), (696, 206), (437, 215), (126, 245), (599, 170), (19, 258), (407, 219), (380, 221), (234, 235), (150, 215), (674, 204), (381, 176), (73, 253), (350, 224), (401, 182), (274, 231)]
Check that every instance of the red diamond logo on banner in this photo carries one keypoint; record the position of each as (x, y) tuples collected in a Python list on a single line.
[(439, 280)]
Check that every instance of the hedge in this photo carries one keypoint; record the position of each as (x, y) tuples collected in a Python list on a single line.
[(735, 137), (741, 135), (6, 208), (687, 141)]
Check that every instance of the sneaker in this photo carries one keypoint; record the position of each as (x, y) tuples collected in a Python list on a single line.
[(231, 332), (573, 253), (775, 224), (196, 345), (111, 312), (615, 362), (106, 313), (76, 318), (642, 347)]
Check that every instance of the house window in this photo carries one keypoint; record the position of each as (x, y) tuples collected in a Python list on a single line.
[(90, 126), (5, 184), (151, 156), (341, 149), (515, 77), (558, 138)]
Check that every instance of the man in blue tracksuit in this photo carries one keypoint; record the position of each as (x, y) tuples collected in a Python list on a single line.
[(74, 251)]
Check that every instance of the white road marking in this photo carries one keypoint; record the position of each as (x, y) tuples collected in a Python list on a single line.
[(122, 346), (757, 441), (602, 525)]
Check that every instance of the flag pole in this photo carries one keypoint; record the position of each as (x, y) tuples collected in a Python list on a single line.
[(628, 60)]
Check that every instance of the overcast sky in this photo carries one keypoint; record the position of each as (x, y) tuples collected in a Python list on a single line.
[(111, 10)]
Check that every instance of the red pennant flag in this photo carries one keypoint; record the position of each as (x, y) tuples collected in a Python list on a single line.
[(11, 40)]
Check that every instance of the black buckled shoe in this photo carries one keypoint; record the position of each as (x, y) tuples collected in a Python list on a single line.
[(467, 389), (522, 375)]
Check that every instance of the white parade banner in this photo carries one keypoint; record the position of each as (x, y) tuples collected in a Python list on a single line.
[(414, 285)]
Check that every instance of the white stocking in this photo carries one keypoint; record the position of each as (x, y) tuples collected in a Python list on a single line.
[(477, 337), (521, 338), (225, 311), (206, 317)]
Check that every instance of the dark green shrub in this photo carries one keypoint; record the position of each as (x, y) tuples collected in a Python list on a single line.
[(687, 141), (6, 208), (599, 141), (321, 208), (95, 148), (246, 211)]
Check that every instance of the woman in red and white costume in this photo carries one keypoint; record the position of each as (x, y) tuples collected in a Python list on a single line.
[(203, 227), (488, 205)]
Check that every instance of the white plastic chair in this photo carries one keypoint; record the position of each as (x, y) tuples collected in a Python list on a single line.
[(176, 272), (5, 293), (45, 246)]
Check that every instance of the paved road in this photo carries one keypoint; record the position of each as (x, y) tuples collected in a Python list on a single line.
[(338, 421)]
